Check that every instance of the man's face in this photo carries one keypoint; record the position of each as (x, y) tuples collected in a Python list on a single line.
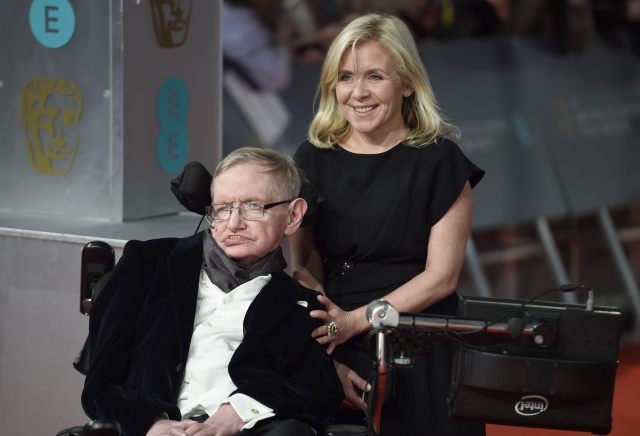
[(51, 114), (247, 241)]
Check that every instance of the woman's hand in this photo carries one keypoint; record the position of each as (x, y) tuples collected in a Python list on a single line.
[(339, 326), (350, 381)]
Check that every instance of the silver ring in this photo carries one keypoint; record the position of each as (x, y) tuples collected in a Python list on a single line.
[(332, 330)]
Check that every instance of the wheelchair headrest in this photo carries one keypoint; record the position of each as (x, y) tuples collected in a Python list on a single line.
[(192, 187)]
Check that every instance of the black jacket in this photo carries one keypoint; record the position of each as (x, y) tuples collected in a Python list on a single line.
[(140, 330)]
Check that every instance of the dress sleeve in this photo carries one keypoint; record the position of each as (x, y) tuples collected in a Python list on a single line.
[(309, 190), (302, 156), (453, 170)]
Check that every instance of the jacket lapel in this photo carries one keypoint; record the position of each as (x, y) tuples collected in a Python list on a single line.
[(272, 303), (184, 266)]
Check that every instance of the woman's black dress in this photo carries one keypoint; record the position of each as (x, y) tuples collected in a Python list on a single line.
[(371, 225)]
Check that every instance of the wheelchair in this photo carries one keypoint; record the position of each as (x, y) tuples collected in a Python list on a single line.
[(191, 188), (514, 340)]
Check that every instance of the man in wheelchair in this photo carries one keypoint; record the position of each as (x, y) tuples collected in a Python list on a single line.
[(207, 335)]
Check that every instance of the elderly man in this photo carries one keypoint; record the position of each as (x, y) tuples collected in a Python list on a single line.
[(207, 335)]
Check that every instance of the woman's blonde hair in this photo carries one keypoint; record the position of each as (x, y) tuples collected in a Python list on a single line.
[(419, 111)]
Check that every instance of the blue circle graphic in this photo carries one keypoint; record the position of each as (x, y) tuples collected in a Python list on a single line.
[(52, 22)]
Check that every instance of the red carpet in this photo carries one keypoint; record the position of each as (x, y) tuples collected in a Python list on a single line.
[(626, 410)]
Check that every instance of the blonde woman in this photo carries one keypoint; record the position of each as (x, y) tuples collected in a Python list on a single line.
[(393, 215)]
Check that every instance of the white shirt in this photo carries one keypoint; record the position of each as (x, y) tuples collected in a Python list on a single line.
[(217, 333)]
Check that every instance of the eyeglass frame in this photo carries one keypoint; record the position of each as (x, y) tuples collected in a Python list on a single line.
[(213, 221)]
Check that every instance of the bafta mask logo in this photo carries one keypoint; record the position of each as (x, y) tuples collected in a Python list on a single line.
[(171, 21), (51, 109)]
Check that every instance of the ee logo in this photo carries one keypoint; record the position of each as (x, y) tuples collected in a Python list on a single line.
[(172, 107), (52, 22)]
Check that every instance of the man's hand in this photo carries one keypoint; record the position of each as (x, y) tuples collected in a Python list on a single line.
[(349, 378), (225, 422), (167, 427)]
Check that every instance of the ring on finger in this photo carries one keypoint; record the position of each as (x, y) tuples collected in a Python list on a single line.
[(332, 330)]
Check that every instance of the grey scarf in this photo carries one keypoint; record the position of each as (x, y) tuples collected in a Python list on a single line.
[(227, 274)]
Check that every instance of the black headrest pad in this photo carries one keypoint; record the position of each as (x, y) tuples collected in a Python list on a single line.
[(192, 187)]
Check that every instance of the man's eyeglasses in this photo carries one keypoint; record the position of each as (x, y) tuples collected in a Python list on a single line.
[(249, 210)]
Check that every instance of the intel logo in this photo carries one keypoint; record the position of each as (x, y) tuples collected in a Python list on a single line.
[(531, 405)]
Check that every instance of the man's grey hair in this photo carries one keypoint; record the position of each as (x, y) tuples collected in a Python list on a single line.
[(282, 167)]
